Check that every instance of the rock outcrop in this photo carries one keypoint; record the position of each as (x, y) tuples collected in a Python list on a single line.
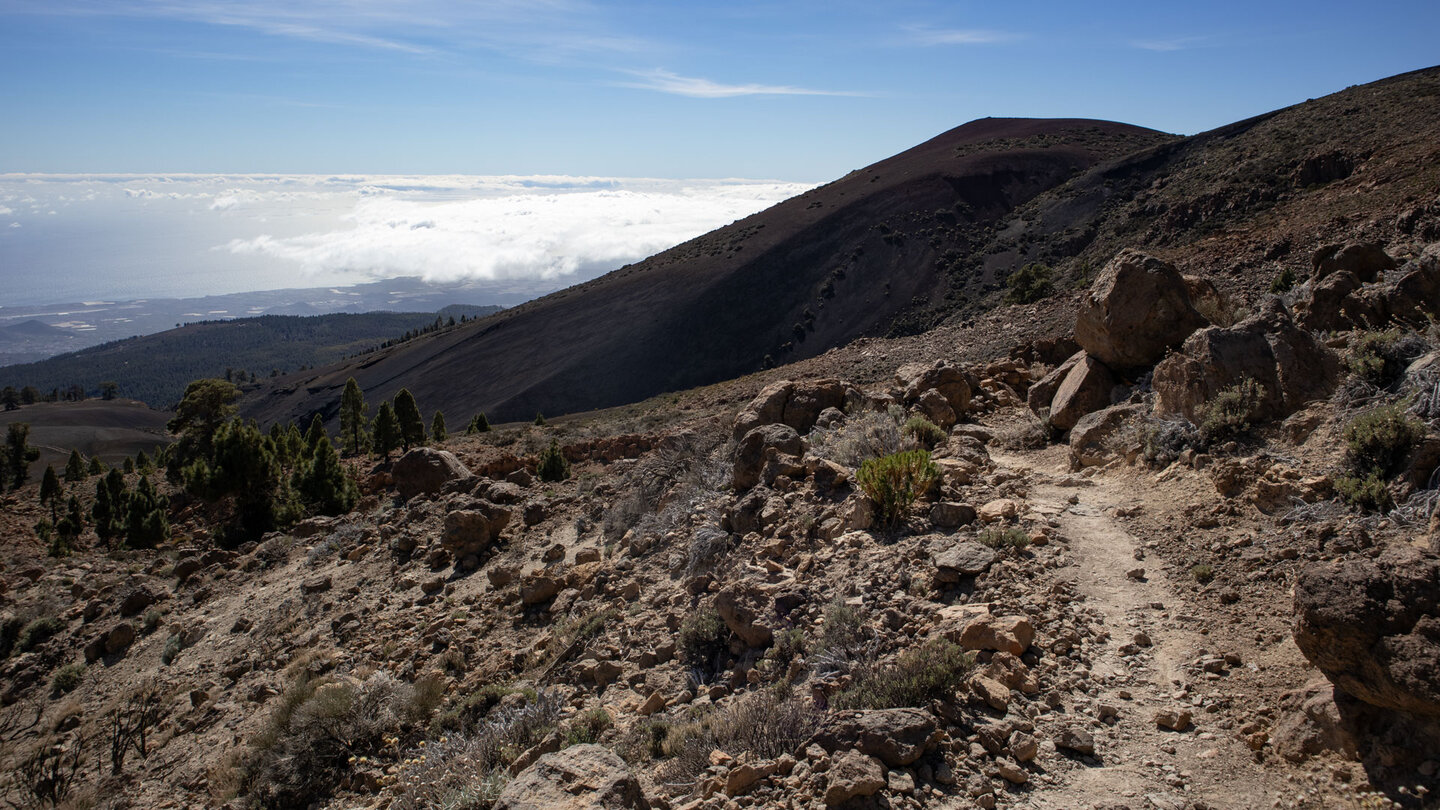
[(797, 404), (426, 470), (1137, 309), (1372, 626), (581, 777)]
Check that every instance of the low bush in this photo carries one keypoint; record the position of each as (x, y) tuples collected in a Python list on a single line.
[(1378, 441), (1232, 412), (36, 632), (66, 679), (1003, 537), (1283, 282), (933, 671), (762, 724), (868, 435), (469, 710), (1203, 573), (1379, 358), (553, 466), (923, 432), (704, 638), (1367, 492), (1028, 284), (894, 482), (1163, 441), (319, 730), (588, 726)]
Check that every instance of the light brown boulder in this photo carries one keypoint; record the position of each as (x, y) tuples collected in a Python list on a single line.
[(947, 380), (426, 470), (1042, 392), (1011, 634), (1137, 309), (797, 404), (472, 530), (897, 737), (933, 406), (581, 777), (1085, 389), (852, 774), (1367, 260), (1099, 436), (537, 588), (757, 446), (745, 610)]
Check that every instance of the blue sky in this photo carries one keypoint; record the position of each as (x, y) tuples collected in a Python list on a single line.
[(795, 91)]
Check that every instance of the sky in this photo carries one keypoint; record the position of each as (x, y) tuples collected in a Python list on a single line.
[(788, 93)]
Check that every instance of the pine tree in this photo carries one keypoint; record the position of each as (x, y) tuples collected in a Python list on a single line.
[(146, 525), (325, 484), (352, 418), (143, 463), (129, 465), (478, 424), (553, 466), (74, 468), (314, 434), (70, 526), (50, 492), (540, 419), (110, 506), (387, 432), (408, 419), (18, 454), (437, 427), (97, 467)]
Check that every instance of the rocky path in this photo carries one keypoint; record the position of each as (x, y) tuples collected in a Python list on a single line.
[(1140, 671)]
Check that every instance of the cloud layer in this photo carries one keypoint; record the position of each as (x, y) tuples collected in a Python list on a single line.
[(170, 235)]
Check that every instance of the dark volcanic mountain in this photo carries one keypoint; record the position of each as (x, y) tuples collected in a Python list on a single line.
[(929, 237), (848, 259)]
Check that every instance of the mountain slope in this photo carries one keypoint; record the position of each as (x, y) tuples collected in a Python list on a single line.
[(807, 275)]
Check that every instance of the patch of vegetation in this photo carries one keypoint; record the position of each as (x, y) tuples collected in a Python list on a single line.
[(762, 724), (1379, 358), (1203, 573), (1028, 284), (704, 638), (1162, 441), (933, 671), (553, 465), (1003, 537), (872, 434), (36, 632), (1378, 441), (1366, 492), (894, 482), (1283, 282), (923, 432), (588, 726), (1233, 412), (66, 679), (468, 711)]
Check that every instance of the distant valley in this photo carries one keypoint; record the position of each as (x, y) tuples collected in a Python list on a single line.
[(32, 333)]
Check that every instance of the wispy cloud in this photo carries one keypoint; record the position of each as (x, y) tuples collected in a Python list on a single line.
[(926, 35), (663, 81), (1173, 43)]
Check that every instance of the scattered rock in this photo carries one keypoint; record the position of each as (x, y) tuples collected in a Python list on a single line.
[(1076, 739), (897, 737), (426, 470), (581, 777), (852, 774), (1173, 719), (964, 559)]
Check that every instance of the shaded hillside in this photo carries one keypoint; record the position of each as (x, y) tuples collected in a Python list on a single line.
[(841, 261), (111, 430), (156, 368), (930, 236)]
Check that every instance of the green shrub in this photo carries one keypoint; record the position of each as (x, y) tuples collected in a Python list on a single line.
[(1283, 282), (553, 466), (896, 481), (1203, 573), (1002, 537), (841, 631), (1232, 412), (588, 726), (470, 709), (703, 638), (927, 434), (868, 435), (35, 632), (1367, 492), (66, 679), (1378, 441), (1028, 284), (933, 671), (150, 621), (1380, 358)]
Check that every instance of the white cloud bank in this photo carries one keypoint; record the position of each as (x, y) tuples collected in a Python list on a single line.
[(183, 235)]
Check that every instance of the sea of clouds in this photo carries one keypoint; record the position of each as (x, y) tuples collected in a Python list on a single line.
[(91, 236)]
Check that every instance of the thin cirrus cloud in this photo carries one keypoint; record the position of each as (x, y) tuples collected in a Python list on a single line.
[(1172, 44), (926, 35), (664, 81)]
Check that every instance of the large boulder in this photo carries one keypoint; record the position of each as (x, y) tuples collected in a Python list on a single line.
[(1366, 260), (897, 737), (950, 382), (426, 470), (797, 404), (746, 610), (1042, 391), (1288, 364), (581, 777), (471, 531), (1085, 389), (1372, 626), (1100, 436), (1137, 309), (852, 774), (757, 446)]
